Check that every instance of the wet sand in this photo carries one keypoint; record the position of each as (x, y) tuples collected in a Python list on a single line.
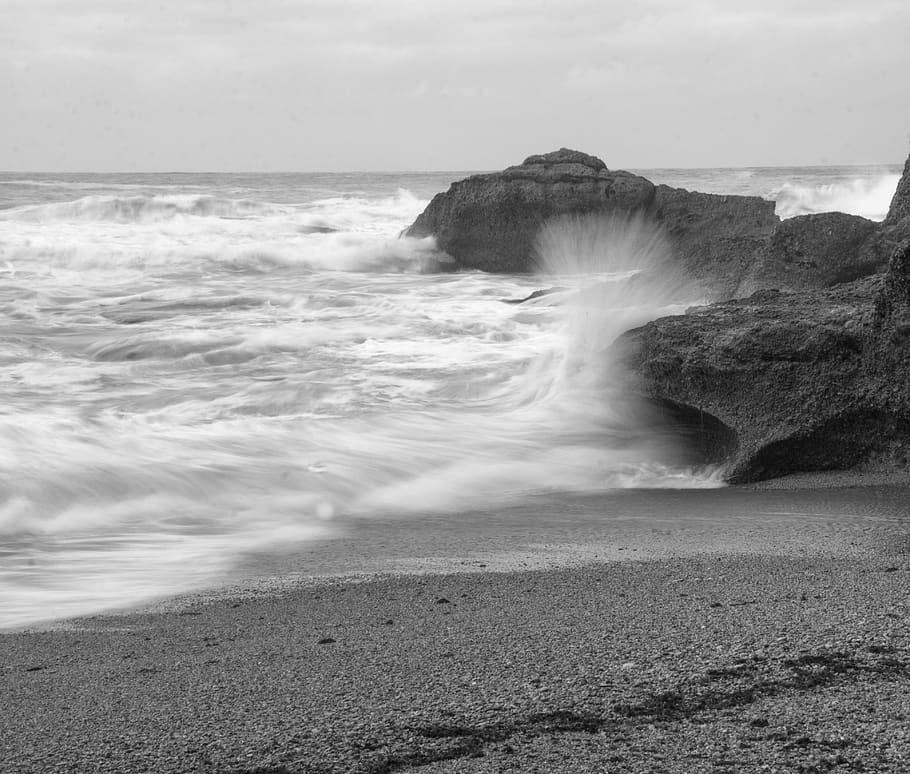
[(737, 631)]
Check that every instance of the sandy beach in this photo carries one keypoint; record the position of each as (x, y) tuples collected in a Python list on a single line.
[(715, 642)]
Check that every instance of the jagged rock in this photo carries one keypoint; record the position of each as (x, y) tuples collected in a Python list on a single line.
[(780, 383), (896, 226), (491, 221), (814, 251), (900, 202)]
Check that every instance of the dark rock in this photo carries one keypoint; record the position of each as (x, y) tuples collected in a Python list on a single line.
[(490, 222), (814, 251), (781, 383), (896, 226), (731, 245), (900, 202), (532, 296), (894, 297), (716, 238), (326, 641)]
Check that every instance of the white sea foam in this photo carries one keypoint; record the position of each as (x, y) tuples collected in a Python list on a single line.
[(140, 208), (869, 197), (181, 385)]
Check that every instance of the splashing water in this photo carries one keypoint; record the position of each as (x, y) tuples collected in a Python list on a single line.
[(868, 197), (196, 369)]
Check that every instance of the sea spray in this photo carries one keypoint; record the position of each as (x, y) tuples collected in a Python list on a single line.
[(229, 363), (160, 428), (865, 196)]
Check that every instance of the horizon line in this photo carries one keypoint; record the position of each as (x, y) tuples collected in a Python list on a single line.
[(422, 171)]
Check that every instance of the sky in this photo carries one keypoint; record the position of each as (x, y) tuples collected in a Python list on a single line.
[(368, 85)]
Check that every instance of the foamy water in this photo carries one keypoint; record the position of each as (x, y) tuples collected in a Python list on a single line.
[(198, 366)]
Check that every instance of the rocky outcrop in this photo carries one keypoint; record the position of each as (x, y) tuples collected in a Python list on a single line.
[(813, 251), (715, 238), (731, 245), (896, 226), (900, 202), (780, 383), (490, 222)]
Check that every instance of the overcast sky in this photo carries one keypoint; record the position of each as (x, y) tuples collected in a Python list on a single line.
[(335, 85)]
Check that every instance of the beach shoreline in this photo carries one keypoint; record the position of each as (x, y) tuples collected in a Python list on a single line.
[(745, 655)]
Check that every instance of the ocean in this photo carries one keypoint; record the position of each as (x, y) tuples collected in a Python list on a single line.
[(194, 367)]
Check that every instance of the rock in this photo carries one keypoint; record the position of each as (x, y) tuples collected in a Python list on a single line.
[(900, 202), (490, 222), (781, 383), (896, 226), (532, 296), (814, 251), (732, 245), (716, 238), (894, 296)]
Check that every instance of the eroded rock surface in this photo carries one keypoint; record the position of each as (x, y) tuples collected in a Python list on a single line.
[(731, 245), (715, 238), (818, 380), (490, 222), (900, 202), (814, 251)]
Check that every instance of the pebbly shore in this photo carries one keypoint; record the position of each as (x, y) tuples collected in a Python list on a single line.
[(746, 658)]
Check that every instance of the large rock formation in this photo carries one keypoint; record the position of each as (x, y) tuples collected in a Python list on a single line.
[(491, 221), (731, 245), (780, 383), (774, 383)]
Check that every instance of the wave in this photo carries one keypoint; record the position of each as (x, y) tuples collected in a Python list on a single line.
[(869, 197), (141, 209), (221, 251)]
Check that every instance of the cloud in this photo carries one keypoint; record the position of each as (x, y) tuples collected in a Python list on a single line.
[(392, 79)]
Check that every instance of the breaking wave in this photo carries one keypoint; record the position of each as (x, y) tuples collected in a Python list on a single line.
[(869, 197), (141, 209)]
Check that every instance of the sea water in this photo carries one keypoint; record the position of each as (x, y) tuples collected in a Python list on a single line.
[(196, 366)]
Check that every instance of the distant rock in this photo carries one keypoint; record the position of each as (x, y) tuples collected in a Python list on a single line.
[(780, 383), (491, 221), (814, 251)]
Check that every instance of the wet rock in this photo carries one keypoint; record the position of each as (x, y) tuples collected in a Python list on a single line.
[(490, 221), (532, 296), (900, 202), (716, 239), (814, 251), (790, 382)]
